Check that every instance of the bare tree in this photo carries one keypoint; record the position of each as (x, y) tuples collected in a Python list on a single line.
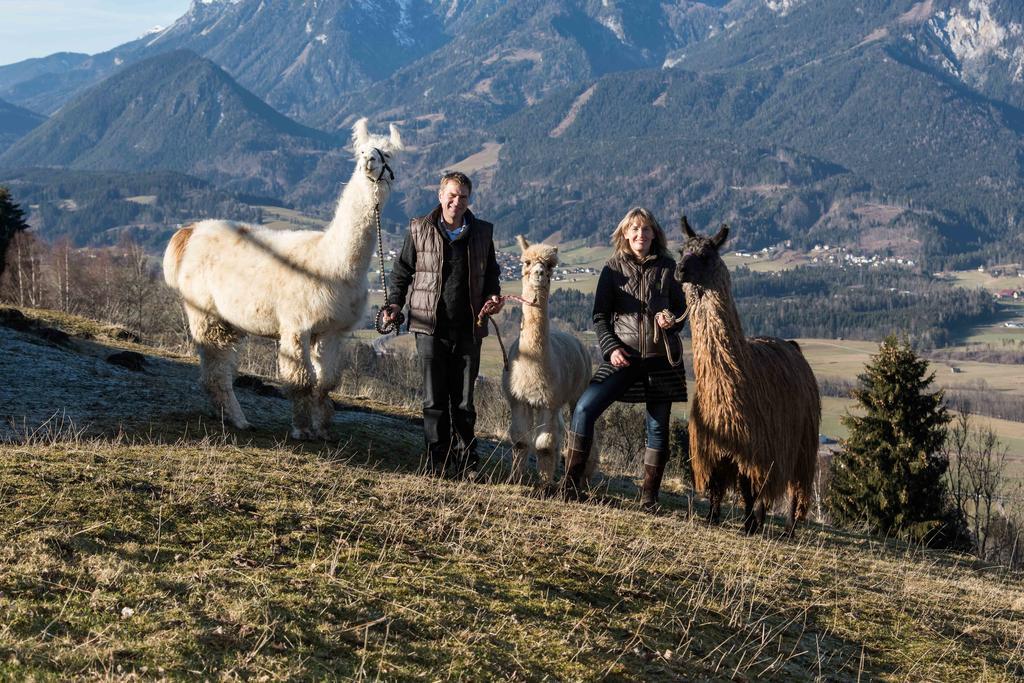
[(623, 436), (979, 489)]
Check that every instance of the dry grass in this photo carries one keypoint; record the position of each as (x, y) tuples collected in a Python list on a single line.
[(172, 556), (213, 559)]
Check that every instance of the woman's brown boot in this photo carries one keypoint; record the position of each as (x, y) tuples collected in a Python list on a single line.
[(654, 470), (576, 456)]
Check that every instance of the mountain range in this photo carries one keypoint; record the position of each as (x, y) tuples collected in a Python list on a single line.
[(892, 125), (15, 122), (180, 112)]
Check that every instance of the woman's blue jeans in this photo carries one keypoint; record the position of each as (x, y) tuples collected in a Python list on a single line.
[(598, 396)]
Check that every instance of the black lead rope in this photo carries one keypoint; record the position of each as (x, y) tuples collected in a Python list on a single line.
[(395, 324)]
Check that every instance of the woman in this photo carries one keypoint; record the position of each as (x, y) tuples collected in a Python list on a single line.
[(642, 354)]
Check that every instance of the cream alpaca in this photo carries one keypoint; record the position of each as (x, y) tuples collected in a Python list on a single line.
[(305, 288), (755, 409), (546, 371)]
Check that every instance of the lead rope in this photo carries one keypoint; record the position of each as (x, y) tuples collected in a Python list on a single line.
[(485, 314), (396, 323), (660, 334), (504, 354)]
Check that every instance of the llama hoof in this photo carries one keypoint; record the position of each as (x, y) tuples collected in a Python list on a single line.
[(650, 507), (572, 494), (302, 434), (751, 527)]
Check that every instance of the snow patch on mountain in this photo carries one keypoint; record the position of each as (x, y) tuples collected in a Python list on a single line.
[(614, 24), (781, 7), (403, 31)]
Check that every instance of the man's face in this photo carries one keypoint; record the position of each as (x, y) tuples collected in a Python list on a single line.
[(454, 198)]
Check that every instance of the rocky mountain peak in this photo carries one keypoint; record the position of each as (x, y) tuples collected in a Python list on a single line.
[(976, 37)]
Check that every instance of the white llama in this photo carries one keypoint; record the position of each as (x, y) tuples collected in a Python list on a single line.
[(305, 288), (546, 370)]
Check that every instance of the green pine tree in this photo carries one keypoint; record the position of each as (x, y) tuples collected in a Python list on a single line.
[(12, 220), (890, 471)]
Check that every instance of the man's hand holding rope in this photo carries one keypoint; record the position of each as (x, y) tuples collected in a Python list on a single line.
[(492, 306)]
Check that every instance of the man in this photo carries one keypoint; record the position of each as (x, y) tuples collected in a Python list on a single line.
[(448, 258)]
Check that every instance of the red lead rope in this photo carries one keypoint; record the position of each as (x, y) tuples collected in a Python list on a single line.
[(488, 308)]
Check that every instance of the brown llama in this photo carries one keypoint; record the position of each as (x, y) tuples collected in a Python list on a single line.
[(755, 410)]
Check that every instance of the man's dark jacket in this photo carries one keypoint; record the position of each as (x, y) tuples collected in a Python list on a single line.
[(450, 279)]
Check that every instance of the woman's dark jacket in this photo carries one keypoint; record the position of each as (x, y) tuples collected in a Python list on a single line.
[(629, 294)]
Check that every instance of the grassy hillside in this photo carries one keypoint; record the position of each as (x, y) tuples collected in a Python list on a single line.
[(217, 558), (170, 548)]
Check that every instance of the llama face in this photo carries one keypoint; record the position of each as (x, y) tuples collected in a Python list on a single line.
[(375, 153), (699, 258), (537, 271), (539, 261)]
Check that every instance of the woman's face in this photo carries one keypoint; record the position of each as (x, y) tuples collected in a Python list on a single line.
[(639, 236)]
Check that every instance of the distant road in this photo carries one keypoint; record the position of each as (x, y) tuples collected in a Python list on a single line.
[(842, 346)]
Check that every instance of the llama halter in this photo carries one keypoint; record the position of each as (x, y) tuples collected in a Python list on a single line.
[(385, 168)]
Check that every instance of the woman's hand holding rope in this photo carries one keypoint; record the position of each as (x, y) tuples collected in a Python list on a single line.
[(665, 319)]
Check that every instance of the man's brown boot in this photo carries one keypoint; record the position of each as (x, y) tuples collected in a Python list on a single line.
[(576, 456), (654, 470)]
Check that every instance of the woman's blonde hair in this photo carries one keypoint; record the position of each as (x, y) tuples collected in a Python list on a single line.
[(639, 214)]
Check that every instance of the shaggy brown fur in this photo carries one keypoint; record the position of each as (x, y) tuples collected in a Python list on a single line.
[(755, 410), (179, 241)]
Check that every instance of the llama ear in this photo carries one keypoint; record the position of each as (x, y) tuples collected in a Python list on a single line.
[(685, 225), (723, 234), (523, 244), (360, 133), (396, 138)]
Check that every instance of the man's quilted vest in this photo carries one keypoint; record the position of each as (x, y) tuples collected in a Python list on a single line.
[(426, 282)]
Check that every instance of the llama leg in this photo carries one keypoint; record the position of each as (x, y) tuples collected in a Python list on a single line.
[(719, 481), (218, 360), (327, 363), (293, 361), (518, 435), (714, 507), (749, 513), (794, 503), (801, 493), (217, 371), (545, 443)]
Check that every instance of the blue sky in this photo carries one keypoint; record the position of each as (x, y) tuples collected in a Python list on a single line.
[(36, 28)]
